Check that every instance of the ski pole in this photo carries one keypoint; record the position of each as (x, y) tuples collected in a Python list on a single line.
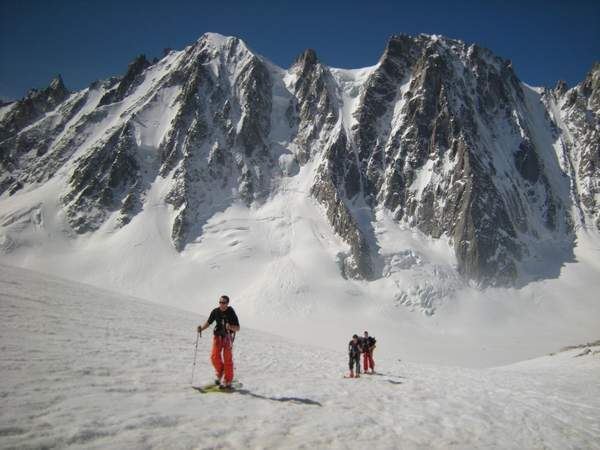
[(195, 353)]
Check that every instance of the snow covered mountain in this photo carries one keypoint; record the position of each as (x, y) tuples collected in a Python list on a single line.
[(83, 367), (433, 169)]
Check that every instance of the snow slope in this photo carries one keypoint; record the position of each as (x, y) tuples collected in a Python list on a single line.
[(277, 263), (86, 368), (280, 259)]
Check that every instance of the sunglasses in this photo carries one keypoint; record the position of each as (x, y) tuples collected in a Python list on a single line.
[(222, 303)]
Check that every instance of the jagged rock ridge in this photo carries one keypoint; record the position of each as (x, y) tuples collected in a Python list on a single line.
[(441, 134)]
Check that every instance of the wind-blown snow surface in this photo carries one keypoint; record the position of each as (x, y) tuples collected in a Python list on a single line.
[(277, 263), (87, 368), (280, 259)]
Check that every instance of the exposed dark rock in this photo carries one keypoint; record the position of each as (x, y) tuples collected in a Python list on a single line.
[(326, 191), (527, 162), (102, 180), (255, 86), (484, 253), (32, 107), (442, 135), (314, 103), (128, 82), (590, 88), (28, 148), (561, 87), (581, 117)]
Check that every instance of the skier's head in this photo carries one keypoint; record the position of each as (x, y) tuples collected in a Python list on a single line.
[(223, 302), (355, 337), (366, 334)]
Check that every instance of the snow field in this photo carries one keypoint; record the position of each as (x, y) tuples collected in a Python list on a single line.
[(87, 368), (280, 261), (278, 264)]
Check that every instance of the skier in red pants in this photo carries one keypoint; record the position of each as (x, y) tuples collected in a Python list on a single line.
[(227, 324), (368, 347)]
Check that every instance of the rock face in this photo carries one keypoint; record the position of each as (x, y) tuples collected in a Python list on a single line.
[(576, 115), (127, 83), (218, 140), (106, 179), (440, 134), (32, 107)]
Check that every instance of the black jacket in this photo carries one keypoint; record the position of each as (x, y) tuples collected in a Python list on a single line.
[(367, 343), (221, 318), (353, 349)]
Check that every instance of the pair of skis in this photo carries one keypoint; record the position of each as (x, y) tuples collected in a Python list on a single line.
[(213, 388), (362, 374)]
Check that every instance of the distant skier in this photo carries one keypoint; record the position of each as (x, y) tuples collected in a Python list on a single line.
[(354, 357), (227, 324), (368, 347)]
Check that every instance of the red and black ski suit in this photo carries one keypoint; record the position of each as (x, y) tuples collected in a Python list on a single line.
[(222, 349), (368, 345)]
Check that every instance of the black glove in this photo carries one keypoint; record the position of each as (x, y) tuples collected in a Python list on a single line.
[(200, 329)]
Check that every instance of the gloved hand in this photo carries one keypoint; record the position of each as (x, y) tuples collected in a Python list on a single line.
[(200, 330)]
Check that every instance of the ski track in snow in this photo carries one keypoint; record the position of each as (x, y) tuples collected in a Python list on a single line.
[(87, 368)]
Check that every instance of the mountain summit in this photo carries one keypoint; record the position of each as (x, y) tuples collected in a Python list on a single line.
[(439, 136)]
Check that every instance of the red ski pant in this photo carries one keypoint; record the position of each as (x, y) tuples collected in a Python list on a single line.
[(368, 362), (222, 357)]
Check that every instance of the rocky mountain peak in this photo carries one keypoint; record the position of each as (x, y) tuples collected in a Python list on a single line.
[(214, 45), (131, 78), (308, 58), (590, 87), (440, 134), (53, 94), (137, 65), (561, 87), (58, 86), (33, 106), (215, 40), (312, 109), (398, 46)]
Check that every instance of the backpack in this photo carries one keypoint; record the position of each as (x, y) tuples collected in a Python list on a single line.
[(362, 342)]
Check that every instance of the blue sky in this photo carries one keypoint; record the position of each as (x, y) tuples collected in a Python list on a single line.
[(89, 40)]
